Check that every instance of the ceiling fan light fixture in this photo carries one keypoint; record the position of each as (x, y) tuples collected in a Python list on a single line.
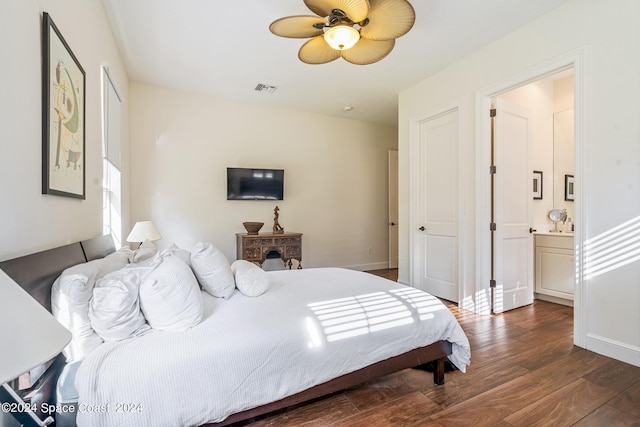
[(341, 37)]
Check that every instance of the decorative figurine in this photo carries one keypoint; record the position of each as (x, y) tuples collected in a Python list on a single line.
[(277, 229)]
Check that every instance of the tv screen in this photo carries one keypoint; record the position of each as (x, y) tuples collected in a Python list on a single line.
[(255, 184)]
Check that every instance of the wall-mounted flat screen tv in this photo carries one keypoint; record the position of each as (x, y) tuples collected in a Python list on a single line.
[(255, 184)]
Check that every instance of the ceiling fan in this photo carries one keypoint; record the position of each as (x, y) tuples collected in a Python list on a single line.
[(360, 31)]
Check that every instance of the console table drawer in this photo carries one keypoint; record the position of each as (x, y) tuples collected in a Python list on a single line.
[(256, 247)]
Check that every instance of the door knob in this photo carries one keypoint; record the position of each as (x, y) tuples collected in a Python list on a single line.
[(392, 224), (422, 228)]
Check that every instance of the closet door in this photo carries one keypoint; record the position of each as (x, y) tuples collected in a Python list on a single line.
[(435, 233)]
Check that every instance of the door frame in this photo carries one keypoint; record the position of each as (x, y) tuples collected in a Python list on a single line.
[(414, 140), (575, 59), (392, 166)]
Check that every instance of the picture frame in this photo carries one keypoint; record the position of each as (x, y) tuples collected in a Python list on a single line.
[(537, 185), (63, 116), (569, 188)]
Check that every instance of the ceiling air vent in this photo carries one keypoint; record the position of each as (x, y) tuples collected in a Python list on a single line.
[(266, 88)]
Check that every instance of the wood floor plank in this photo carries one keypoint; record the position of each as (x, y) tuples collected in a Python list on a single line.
[(542, 353), (615, 375), (562, 407), (608, 416), (319, 413), (492, 406), (390, 388), (410, 410), (475, 382), (563, 371), (629, 400)]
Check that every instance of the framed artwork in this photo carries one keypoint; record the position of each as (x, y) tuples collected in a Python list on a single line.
[(63, 116), (568, 188), (537, 185)]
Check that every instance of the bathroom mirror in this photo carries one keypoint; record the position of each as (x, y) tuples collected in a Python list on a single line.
[(556, 216)]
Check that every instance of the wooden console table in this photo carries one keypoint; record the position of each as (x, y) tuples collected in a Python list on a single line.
[(258, 247)]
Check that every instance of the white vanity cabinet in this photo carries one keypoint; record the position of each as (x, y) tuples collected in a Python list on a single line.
[(554, 267)]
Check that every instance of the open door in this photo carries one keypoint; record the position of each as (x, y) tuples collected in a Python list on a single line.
[(512, 208)]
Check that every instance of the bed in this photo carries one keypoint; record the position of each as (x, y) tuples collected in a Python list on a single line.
[(347, 328)]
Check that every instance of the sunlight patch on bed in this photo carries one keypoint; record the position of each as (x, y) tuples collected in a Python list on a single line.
[(344, 318), (424, 304)]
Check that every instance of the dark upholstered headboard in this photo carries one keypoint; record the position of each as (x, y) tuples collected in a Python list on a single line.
[(98, 247), (37, 272)]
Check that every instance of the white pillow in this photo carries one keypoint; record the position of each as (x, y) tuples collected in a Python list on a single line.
[(170, 297), (174, 250), (70, 297), (212, 270), (115, 308), (251, 280)]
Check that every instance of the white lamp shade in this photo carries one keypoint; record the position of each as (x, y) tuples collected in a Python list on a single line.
[(30, 335), (143, 231), (342, 37)]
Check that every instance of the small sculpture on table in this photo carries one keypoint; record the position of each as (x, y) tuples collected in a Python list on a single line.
[(277, 229)]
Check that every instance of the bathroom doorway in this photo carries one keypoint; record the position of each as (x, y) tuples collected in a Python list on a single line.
[(485, 281), (533, 255)]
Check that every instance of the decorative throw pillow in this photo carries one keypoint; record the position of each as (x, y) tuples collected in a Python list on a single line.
[(170, 297), (250, 279), (70, 296), (212, 270), (115, 308)]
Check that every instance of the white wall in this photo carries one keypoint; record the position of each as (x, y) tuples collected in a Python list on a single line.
[(30, 221), (609, 33), (538, 99), (335, 174)]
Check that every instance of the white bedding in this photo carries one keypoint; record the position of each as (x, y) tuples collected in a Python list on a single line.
[(311, 326)]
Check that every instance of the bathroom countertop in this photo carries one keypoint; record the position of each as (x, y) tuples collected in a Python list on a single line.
[(553, 233)]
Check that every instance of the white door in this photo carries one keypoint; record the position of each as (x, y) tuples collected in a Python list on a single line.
[(436, 216), (513, 203), (393, 209)]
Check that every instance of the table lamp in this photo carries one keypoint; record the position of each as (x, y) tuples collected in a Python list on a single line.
[(143, 231)]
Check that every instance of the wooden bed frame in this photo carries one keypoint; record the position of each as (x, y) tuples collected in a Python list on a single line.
[(37, 272)]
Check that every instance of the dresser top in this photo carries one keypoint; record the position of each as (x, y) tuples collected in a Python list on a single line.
[(268, 235)]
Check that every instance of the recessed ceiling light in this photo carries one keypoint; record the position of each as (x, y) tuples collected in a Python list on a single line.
[(348, 108)]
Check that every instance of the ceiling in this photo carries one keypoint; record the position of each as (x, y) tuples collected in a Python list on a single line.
[(225, 49)]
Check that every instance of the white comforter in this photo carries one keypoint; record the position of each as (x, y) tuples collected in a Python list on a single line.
[(311, 326)]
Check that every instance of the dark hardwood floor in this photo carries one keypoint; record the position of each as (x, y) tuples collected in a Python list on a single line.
[(525, 371)]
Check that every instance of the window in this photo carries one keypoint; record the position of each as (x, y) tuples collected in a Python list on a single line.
[(111, 153)]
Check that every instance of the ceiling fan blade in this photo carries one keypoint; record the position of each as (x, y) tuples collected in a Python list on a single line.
[(298, 27), (388, 19), (356, 10), (368, 51), (317, 51)]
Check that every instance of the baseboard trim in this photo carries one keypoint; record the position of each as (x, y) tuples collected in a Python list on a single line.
[(614, 349)]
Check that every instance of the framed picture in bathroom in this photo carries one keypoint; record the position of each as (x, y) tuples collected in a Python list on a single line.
[(537, 185), (568, 188)]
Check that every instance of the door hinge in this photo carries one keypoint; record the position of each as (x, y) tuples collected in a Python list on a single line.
[(492, 226), (492, 112), (492, 169), (492, 283)]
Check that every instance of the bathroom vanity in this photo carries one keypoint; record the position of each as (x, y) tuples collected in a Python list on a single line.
[(554, 267)]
